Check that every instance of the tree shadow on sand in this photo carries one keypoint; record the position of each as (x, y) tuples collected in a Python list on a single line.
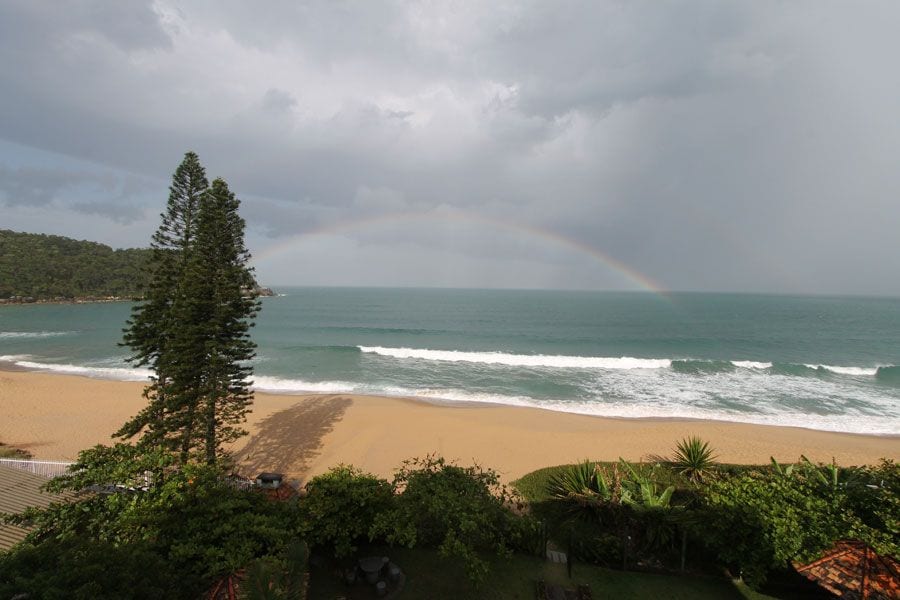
[(288, 440)]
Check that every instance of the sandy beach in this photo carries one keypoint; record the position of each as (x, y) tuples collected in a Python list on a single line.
[(54, 416)]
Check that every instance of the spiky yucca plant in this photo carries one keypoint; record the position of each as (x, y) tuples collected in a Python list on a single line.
[(694, 459), (578, 482), (588, 484)]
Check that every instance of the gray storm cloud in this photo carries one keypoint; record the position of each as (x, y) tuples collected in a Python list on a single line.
[(746, 146)]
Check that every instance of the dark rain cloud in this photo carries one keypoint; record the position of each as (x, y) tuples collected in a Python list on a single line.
[(708, 145)]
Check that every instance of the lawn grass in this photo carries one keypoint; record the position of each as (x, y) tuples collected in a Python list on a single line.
[(428, 575)]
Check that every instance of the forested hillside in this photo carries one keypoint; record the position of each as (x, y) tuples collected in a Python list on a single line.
[(51, 267)]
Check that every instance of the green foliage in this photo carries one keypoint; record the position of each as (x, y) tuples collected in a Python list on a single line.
[(459, 510), (48, 267), (192, 329), (278, 577), (594, 485), (782, 470), (652, 517), (694, 458), (190, 515), (159, 326), (99, 513), (640, 488), (219, 311), (586, 484), (341, 507), (762, 520), (874, 497), (212, 528), (83, 569)]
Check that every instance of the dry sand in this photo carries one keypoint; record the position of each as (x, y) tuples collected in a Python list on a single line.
[(55, 416)]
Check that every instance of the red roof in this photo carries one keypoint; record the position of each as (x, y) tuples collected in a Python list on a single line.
[(853, 570), (227, 588)]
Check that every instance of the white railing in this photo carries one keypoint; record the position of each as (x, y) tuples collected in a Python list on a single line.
[(44, 468)]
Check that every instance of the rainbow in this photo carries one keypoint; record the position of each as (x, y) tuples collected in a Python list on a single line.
[(632, 275)]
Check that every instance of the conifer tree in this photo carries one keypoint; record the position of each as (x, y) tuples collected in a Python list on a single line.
[(192, 330), (151, 325), (217, 317)]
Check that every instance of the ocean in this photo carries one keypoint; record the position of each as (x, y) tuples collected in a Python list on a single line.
[(828, 363)]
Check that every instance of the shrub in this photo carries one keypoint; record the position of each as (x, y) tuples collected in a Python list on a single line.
[(89, 569), (341, 507), (875, 497), (190, 516), (460, 510), (761, 521)]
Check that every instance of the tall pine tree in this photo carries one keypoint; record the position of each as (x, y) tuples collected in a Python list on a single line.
[(193, 329), (151, 324), (221, 309)]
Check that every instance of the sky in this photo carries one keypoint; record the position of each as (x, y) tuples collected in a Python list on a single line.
[(699, 145)]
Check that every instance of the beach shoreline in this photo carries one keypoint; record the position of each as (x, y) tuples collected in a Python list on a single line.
[(54, 416)]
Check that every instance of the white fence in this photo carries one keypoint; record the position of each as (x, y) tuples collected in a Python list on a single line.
[(44, 468)]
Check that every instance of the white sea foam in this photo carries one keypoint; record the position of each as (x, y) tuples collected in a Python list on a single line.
[(522, 360), (846, 370), (284, 385), (117, 373), (749, 364), (751, 397), (32, 334)]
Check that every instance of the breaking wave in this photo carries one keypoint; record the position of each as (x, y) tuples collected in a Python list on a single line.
[(7, 335), (683, 365), (522, 360)]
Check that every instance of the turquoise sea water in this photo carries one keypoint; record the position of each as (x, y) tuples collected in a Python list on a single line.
[(816, 362)]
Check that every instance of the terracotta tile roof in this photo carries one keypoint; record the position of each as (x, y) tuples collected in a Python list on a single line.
[(18, 491), (853, 570), (282, 492), (228, 587)]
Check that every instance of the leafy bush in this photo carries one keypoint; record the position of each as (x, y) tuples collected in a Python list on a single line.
[(761, 520), (88, 569), (460, 510), (190, 516), (278, 578), (626, 499), (211, 527), (874, 496), (341, 507)]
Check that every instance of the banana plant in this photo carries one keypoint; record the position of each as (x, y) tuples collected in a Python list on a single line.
[(830, 476), (784, 471), (643, 491)]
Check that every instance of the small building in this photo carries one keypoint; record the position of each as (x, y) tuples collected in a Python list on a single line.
[(270, 481)]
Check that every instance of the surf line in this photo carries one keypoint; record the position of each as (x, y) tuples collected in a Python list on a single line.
[(633, 275)]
